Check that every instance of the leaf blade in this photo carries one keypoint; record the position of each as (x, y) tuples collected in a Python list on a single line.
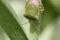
[(10, 25)]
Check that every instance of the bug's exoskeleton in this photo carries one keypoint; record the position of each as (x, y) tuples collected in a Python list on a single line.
[(33, 9)]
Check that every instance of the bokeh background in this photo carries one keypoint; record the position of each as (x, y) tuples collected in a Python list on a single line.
[(50, 19)]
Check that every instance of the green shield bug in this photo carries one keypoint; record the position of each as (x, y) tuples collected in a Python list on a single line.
[(32, 9)]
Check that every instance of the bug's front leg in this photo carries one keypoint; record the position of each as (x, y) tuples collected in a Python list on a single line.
[(41, 7)]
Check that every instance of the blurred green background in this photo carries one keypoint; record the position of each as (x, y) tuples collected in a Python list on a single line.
[(50, 20)]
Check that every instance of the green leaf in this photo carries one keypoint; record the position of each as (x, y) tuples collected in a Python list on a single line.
[(10, 25), (3, 35)]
